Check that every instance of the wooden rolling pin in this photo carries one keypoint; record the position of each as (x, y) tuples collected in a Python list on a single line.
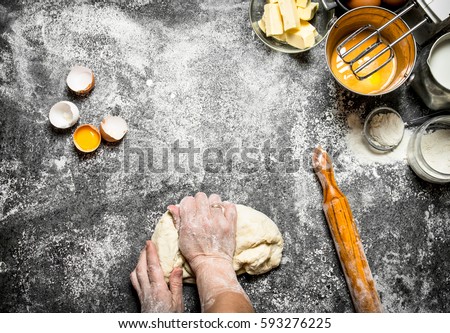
[(346, 237)]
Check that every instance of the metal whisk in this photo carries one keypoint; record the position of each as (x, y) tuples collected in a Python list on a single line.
[(343, 52)]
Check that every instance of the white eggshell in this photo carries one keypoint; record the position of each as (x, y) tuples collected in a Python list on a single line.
[(64, 114), (80, 80), (113, 128)]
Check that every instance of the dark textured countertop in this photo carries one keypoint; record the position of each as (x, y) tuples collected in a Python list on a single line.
[(72, 225)]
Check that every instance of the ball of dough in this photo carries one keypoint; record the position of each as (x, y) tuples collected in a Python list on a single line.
[(258, 244)]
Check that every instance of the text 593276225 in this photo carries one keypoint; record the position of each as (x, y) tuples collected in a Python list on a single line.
[(295, 322)]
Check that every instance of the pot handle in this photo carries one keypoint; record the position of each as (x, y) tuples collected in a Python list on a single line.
[(329, 4)]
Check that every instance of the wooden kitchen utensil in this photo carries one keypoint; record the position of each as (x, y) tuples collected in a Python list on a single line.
[(346, 237)]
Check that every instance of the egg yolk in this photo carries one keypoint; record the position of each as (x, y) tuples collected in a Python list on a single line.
[(87, 138), (378, 81)]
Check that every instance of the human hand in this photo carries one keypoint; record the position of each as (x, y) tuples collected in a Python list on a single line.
[(207, 230), (148, 281), (207, 239)]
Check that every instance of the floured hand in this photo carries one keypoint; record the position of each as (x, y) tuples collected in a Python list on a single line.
[(207, 239), (207, 229), (148, 280)]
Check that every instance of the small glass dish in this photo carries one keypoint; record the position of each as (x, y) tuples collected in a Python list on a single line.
[(372, 142), (429, 150), (322, 21)]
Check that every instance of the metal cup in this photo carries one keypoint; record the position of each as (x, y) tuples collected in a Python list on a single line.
[(434, 94)]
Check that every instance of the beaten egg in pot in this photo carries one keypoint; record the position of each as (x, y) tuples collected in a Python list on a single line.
[(375, 83)]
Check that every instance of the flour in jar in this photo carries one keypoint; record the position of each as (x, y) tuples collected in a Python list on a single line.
[(436, 150)]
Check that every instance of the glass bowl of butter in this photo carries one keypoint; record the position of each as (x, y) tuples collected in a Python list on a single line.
[(291, 26)]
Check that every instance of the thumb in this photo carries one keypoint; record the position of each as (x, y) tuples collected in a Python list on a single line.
[(175, 212), (176, 288)]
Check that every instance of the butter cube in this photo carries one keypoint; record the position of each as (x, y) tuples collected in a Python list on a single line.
[(303, 3), (308, 26), (281, 38), (273, 1), (262, 25), (288, 9), (308, 13), (273, 20), (301, 39)]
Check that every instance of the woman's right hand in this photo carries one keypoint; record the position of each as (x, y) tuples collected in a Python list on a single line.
[(207, 239), (207, 230)]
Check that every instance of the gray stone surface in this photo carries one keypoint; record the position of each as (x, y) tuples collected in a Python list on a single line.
[(72, 225)]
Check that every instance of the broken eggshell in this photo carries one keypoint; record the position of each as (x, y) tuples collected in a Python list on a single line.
[(80, 80), (64, 114), (113, 128)]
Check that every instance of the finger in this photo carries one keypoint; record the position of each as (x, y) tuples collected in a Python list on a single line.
[(188, 211), (155, 272), (214, 199), (135, 282), (175, 212), (176, 288), (216, 212), (141, 270), (202, 203), (230, 213)]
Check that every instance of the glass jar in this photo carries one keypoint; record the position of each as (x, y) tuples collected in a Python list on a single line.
[(429, 150)]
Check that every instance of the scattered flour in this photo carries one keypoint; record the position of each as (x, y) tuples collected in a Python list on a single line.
[(251, 101), (364, 154), (436, 150), (3, 267), (60, 163)]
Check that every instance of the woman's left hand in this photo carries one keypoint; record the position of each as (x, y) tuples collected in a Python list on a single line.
[(148, 280)]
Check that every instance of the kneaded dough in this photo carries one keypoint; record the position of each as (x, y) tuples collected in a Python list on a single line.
[(258, 244)]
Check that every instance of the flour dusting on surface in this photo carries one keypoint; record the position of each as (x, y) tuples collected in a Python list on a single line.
[(365, 154), (72, 225)]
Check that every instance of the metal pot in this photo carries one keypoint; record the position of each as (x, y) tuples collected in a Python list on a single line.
[(426, 81), (405, 51)]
